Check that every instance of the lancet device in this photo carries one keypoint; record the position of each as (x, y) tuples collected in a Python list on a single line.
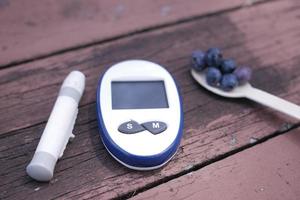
[(140, 114), (59, 128)]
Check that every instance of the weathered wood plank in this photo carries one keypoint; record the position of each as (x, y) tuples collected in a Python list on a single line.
[(87, 170), (33, 29), (30, 89), (213, 126), (270, 170)]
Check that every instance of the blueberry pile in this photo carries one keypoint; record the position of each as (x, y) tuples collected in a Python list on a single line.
[(220, 72)]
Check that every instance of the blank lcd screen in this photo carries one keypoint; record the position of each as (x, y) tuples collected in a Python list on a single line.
[(138, 94)]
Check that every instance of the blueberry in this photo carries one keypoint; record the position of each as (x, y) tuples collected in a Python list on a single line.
[(228, 66), (229, 82), (213, 57), (243, 74), (213, 76), (198, 61)]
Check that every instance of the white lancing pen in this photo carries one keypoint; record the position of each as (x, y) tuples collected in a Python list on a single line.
[(58, 129)]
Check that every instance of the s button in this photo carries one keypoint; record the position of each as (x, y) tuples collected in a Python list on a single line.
[(130, 127)]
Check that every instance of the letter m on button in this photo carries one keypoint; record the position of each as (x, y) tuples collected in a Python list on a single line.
[(155, 125)]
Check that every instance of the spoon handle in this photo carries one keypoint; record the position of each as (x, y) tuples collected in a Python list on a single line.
[(274, 102)]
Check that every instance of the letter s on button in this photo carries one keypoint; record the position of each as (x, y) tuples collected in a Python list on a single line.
[(129, 126)]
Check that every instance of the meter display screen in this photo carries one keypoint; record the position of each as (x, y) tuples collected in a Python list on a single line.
[(138, 94)]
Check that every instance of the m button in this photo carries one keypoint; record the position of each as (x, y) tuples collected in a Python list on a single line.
[(155, 127), (130, 127)]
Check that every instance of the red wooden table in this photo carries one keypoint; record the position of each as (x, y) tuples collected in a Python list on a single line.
[(231, 149)]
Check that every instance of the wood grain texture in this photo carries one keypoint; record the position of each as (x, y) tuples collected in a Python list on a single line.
[(270, 170), (213, 126), (30, 89), (38, 28)]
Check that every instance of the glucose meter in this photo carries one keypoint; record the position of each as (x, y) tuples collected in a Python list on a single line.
[(139, 114)]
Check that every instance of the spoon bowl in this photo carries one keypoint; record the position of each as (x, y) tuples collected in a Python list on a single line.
[(257, 95), (237, 92)]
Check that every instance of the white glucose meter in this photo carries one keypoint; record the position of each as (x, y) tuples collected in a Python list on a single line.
[(139, 114)]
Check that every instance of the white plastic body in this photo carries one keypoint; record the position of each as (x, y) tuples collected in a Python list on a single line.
[(143, 143), (140, 168), (58, 129), (257, 95)]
